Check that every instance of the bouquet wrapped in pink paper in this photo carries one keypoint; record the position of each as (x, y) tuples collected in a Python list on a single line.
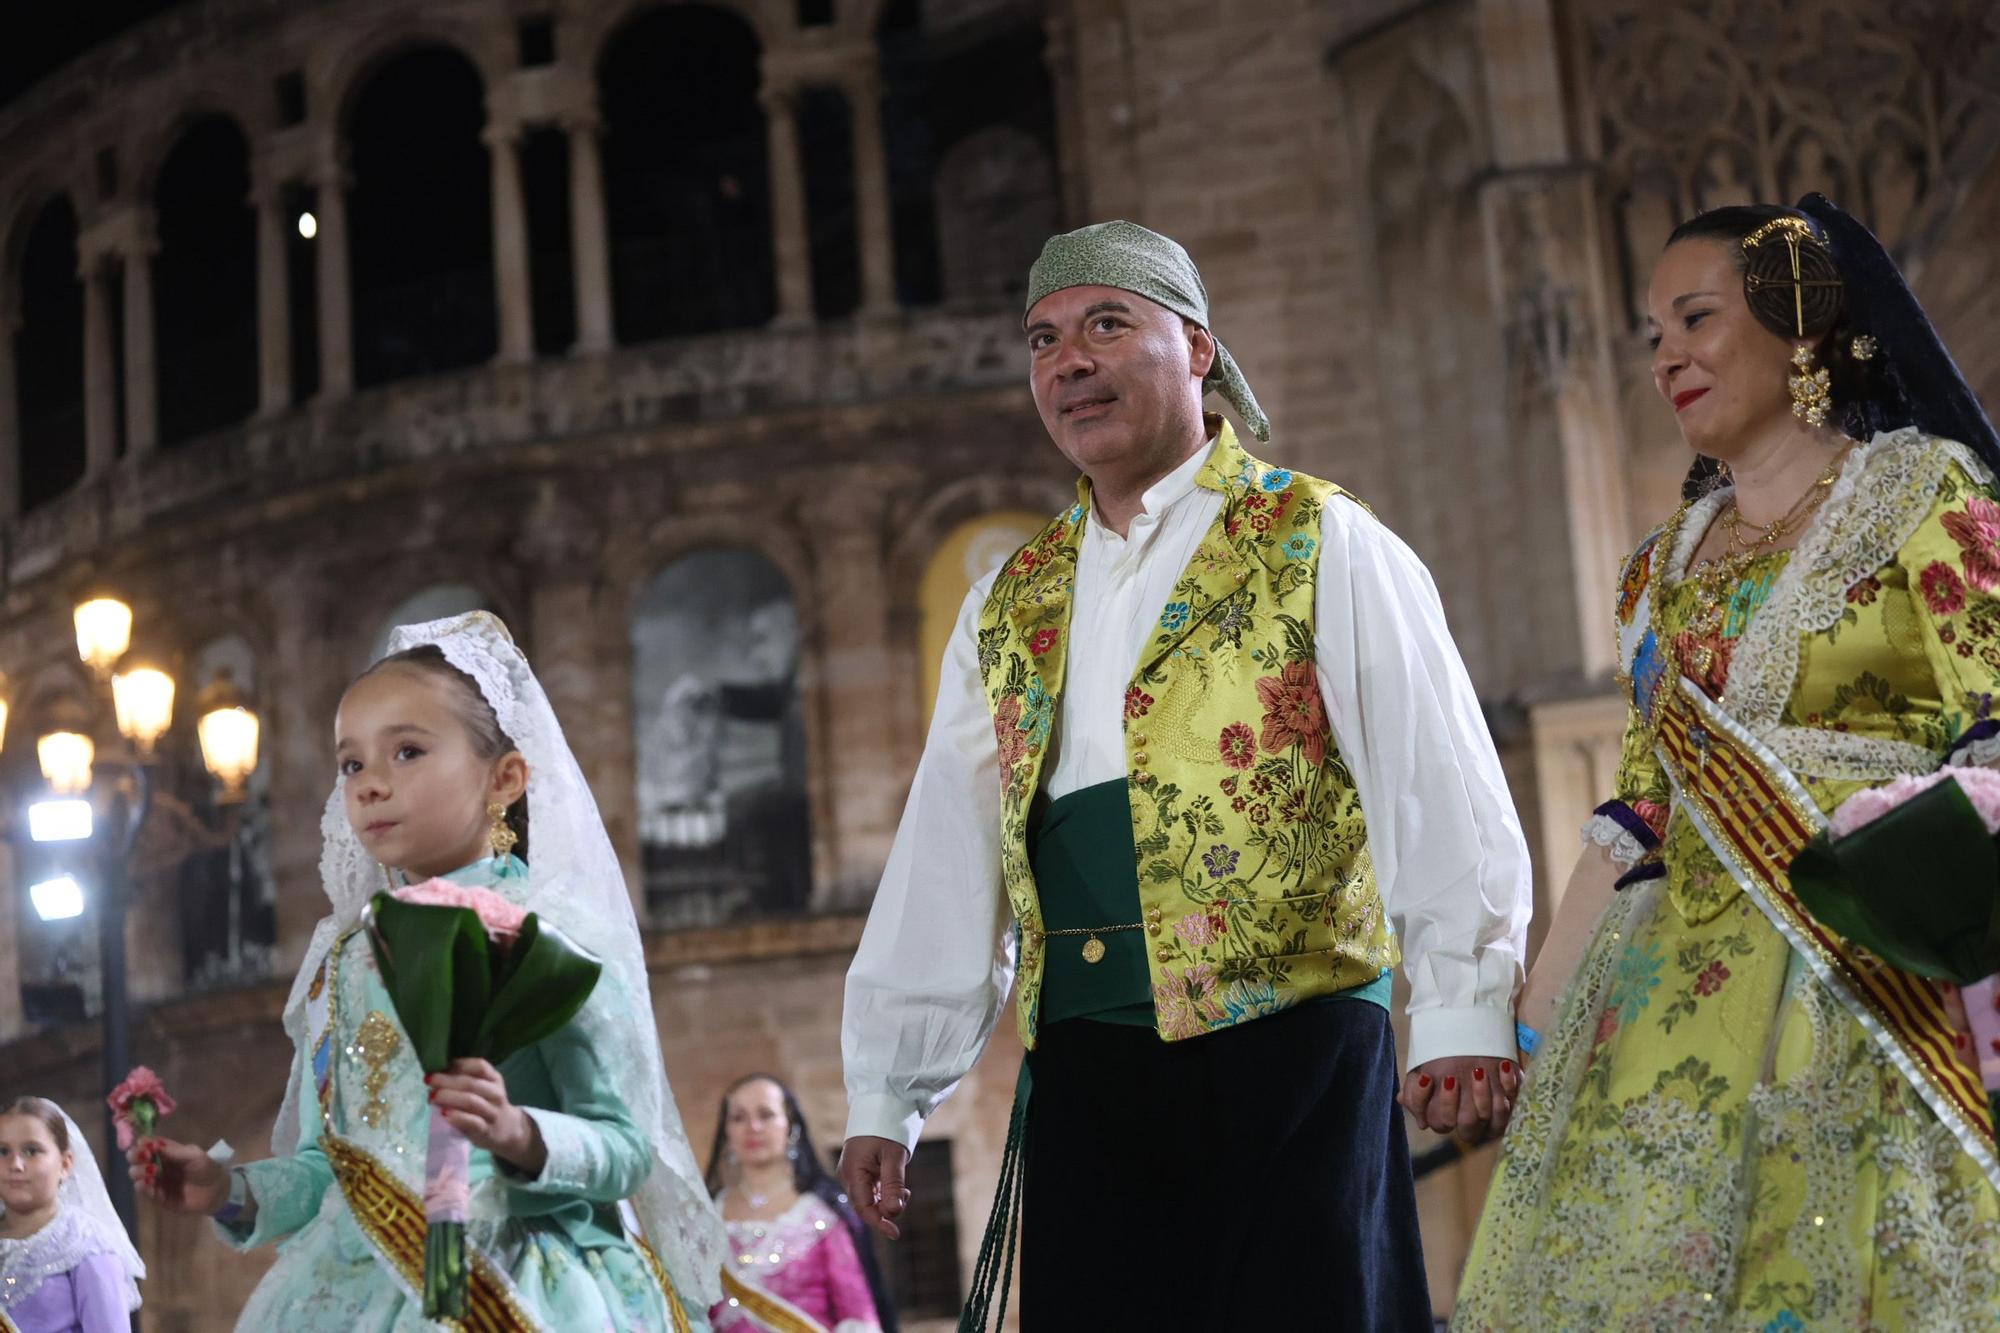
[(472, 976)]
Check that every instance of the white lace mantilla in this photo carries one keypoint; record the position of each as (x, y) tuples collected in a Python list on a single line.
[(1884, 490), (25, 1264), (576, 883)]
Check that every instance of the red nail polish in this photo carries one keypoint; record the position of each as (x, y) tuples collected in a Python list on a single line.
[(1506, 1066), (1423, 1080), (1479, 1074), (1450, 1083)]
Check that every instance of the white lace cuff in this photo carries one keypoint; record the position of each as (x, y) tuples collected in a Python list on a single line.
[(1981, 753), (1602, 830)]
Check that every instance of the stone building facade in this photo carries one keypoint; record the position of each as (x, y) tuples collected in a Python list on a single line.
[(1423, 227)]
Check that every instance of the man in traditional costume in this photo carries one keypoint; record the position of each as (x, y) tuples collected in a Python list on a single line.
[(1196, 745)]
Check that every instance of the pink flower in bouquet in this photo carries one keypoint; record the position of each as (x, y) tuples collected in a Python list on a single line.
[(138, 1104), (1981, 787), (500, 917)]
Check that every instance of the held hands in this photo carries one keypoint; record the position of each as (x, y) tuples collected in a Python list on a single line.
[(473, 1098), (178, 1176), (871, 1171), (1468, 1097)]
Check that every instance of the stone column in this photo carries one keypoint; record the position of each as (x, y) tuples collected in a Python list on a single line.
[(336, 296), (274, 300), (871, 193), (1541, 212), (100, 395), (1059, 57), (857, 800), (142, 380), (791, 247), (513, 294), (589, 238), (10, 426), (313, 668)]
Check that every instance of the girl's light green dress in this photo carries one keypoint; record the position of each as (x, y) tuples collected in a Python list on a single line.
[(557, 1237)]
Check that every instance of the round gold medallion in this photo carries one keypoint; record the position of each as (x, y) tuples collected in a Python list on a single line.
[(1093, 950)]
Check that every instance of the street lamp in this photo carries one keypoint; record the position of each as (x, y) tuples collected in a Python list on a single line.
[(142, 700), (228, 731)]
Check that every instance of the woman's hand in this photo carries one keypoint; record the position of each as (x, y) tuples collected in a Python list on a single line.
[(473, 1098), (178, 1176)]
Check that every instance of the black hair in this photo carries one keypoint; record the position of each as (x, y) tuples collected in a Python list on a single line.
[(809, 1176), (1867, 396)]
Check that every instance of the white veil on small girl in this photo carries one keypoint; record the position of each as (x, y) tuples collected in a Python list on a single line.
[(575, 881), (84, 1200)]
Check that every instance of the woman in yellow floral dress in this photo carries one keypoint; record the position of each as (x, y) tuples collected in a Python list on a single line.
[(1734, 1119)]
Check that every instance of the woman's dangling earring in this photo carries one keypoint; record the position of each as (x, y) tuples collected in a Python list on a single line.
[(1812, 394), (501, 835), (792, 1144)]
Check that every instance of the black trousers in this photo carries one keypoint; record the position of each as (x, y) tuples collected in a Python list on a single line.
[(1251, 1179)]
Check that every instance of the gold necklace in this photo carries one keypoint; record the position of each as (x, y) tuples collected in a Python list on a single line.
[(1717, 580)]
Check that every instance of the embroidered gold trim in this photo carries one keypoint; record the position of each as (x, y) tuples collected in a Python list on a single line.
[(675, 1310), (391, 1217), (1756, 820), (776, 1313)]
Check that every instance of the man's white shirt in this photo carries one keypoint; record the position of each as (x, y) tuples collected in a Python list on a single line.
[(931, 976)]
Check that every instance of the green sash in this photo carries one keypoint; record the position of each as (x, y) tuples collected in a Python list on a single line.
[(1086, 871)]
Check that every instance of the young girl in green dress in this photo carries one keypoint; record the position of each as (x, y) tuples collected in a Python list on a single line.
[(587, 1211)]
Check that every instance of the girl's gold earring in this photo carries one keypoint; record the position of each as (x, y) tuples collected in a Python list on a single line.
[(500, 835)]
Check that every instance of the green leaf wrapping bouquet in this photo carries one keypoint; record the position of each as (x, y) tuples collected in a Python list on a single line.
[(471, 976), (1910, 871)]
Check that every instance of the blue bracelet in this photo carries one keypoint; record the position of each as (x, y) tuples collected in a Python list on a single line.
[(1526, 1038)]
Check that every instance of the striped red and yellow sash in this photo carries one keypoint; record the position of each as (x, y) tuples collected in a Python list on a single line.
[(391, 1216), (772, 1312), (1757, 817)]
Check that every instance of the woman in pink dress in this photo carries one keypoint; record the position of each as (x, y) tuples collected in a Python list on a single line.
[(799, 1261)]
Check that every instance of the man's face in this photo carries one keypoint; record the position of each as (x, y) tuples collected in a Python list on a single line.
[(1117, 378)]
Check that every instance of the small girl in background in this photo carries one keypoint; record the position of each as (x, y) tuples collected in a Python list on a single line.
[(587, 1211), (66, 1264)]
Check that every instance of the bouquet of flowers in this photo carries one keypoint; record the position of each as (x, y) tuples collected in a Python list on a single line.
[(471, 976), (137, 1107), (1911, 871)]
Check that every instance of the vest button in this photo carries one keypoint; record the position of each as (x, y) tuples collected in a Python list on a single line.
[(1153, 928), (1142, 778), (1138, 738), (1140, 758), (1164, 954), (1242, 577)]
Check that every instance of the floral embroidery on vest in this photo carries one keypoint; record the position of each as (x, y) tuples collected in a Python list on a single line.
[(1253, 867)]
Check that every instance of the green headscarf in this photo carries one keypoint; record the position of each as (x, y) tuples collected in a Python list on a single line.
[(1129, 257)]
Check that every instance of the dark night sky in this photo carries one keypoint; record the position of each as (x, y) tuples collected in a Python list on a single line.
[(38, 37)]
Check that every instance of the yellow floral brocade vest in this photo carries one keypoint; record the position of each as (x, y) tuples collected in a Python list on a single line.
[(1255, 883)]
